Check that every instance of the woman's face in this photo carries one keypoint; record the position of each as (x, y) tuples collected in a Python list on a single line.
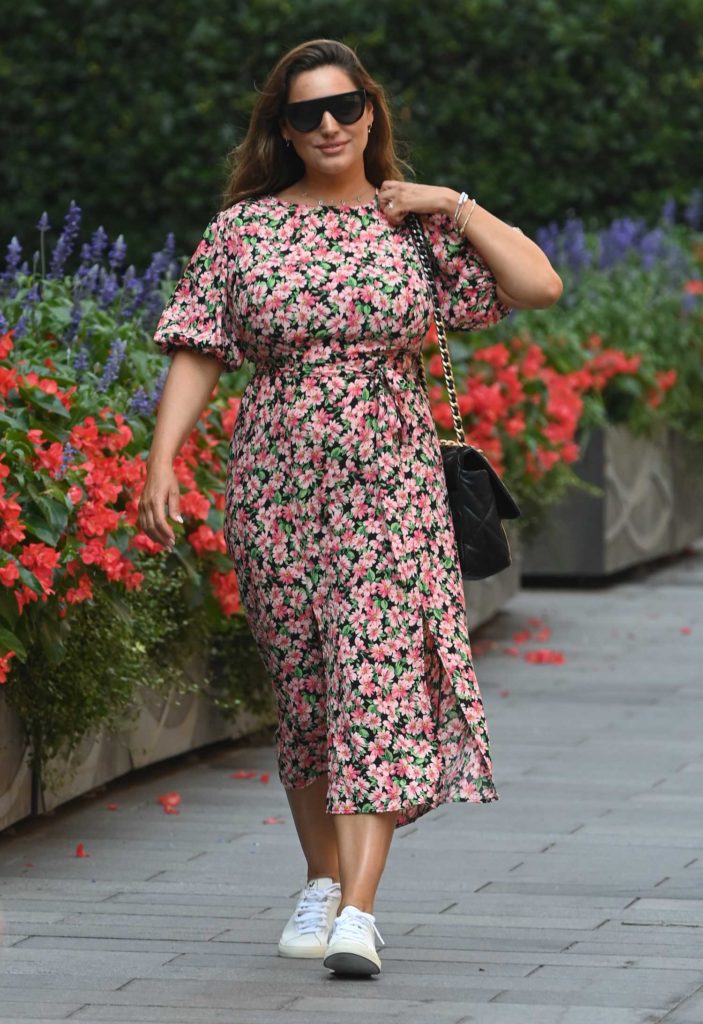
[(352, 138)]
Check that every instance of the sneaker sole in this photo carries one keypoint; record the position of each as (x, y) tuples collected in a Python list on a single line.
[(351, 963)]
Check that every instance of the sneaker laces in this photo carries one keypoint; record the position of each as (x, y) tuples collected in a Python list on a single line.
[(311, 913), (354, 925)]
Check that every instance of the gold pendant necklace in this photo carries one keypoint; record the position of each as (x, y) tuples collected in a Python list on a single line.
[(335, 202)]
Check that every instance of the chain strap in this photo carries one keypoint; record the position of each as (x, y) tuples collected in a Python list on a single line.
[(423, 251)]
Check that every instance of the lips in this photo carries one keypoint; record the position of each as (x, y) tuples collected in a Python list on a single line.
[(336, 148)]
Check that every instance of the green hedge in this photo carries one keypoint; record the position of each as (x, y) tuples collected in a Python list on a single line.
[(543, 109)]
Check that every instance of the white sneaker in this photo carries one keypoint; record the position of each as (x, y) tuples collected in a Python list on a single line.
[(352, 943), (306, 932)]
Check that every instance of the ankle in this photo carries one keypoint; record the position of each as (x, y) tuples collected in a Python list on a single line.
[(363, 905), (322, 874)]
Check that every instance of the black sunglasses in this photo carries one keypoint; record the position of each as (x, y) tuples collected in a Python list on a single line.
[(345, 107)]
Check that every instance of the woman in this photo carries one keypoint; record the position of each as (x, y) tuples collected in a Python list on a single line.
[(336, 516)]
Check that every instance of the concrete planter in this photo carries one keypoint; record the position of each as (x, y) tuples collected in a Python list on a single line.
[(161, 727), (652, 506)]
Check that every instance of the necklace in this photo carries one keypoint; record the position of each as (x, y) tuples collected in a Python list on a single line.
[(335, 202)]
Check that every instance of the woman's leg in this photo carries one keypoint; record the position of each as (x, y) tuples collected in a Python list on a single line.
[(351, 848), (363, 842), (315, 828)]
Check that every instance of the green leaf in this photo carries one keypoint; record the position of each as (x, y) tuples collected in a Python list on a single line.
[(11, 642)]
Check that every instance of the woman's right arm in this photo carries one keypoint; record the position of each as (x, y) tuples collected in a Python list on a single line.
[(189, 385)]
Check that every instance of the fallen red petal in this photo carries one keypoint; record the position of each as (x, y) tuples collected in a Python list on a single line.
[(168, 809), (112, 807), (170, 799), (512, 651), (686, 630), (273, 821), (521, 637), (80, 851), (264, 777), (504, 693), (544, 634), (545, 656), (241, 774), (536, 621)]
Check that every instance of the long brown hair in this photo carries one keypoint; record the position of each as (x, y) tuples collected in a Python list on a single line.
[(263, 164)]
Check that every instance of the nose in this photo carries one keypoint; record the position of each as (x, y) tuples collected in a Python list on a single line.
[(328, 123)]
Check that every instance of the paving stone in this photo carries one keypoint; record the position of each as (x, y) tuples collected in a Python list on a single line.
[(573, 899)]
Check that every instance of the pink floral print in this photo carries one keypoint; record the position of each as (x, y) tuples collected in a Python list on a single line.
[(336, 513)]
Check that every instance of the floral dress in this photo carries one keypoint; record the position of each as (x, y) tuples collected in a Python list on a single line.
[(336, 513)]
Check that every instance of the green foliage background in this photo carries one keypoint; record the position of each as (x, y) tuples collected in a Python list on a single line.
[(543, 109)]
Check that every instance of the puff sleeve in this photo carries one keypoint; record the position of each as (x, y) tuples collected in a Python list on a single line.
[(200, 314), (465, 284)]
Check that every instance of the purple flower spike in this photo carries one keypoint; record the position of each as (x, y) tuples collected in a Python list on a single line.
[(12, 260), (651, 248), (108, 290), (159, 386), (668, 213), (118, 252), (689, 302), (575, 251), (98, 244), (112, 366), (141, 404), (64, 245), (82, 359), (74, 323), (32, 296), (617, 241), (43, 222), (692, 213), (69, 452), (548, 240)]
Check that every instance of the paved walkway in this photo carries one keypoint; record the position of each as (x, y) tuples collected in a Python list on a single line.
[(575, 898)]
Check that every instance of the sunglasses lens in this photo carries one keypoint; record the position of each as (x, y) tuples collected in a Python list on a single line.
[(346, 108), (305, 116)]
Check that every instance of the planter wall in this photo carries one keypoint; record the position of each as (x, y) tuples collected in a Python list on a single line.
[(163, 727), (652, 506), (15, 773)]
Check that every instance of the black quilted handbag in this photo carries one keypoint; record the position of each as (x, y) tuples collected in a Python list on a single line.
[(478, 498)]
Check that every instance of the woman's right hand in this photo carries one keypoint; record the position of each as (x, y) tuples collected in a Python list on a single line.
[(160, 490)]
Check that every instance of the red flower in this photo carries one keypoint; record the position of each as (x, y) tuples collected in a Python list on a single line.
[(9, 574), (5, 665), (226, 590), (195, 504), (206, 539)]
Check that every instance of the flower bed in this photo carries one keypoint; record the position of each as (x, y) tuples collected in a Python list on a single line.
[(90, 607), (620, 355)]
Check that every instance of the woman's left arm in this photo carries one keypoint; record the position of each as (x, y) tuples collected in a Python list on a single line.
[(524, 276)]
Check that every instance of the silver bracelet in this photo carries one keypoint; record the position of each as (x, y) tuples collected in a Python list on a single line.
[(460, 202), (468, 216)]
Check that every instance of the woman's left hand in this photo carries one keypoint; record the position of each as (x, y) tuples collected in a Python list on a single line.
[(409, 197)]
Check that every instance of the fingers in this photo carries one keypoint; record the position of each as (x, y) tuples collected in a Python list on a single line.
[(158, 495)]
